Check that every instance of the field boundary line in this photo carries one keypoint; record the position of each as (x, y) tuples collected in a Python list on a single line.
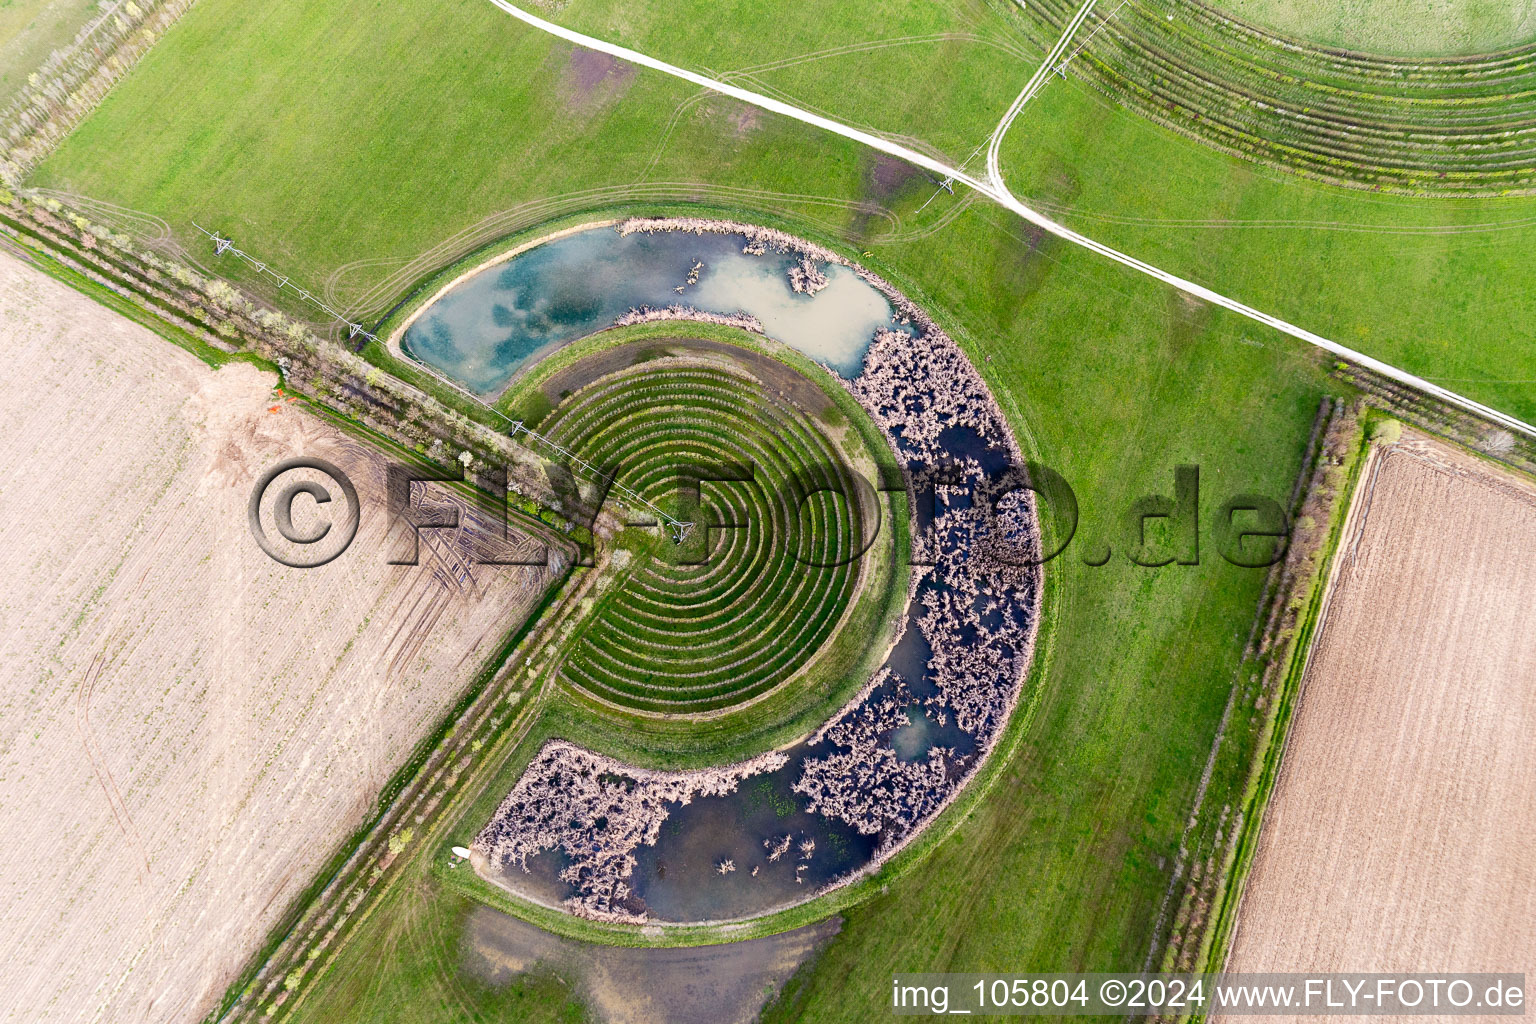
[(999, 194)]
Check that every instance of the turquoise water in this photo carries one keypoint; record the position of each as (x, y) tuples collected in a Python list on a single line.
[(510, 315)]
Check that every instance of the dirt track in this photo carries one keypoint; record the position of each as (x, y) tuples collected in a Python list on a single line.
[(187, 728), (1399, 833)]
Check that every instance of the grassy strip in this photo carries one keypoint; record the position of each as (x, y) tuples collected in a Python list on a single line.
[(517, 517), (1270, 748)]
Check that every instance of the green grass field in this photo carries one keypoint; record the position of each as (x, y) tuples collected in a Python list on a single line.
[(1064, 863), (289, 116), (1440, 288), (329, 134), (1408, 27), (1428, 283), (30, 30)]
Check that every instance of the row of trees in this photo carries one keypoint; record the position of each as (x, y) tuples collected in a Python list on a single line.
[(220, 315), (75, 78)]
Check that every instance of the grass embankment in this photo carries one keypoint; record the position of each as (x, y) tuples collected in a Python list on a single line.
[(727, 614)]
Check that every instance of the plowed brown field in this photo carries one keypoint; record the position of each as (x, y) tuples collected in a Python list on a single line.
[(1399, 835), (187, 728)]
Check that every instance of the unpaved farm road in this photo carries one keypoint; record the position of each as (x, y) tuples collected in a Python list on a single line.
[(1048, 66), (993, 188)]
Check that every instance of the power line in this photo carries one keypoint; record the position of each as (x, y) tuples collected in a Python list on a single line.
[(222, 245), (994, 188), (1061, 69), (948, 184)]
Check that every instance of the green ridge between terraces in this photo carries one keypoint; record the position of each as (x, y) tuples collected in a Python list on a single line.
[(732, 612)]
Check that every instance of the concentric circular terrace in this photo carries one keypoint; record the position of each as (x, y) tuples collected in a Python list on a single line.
[(765, 579), (1463, 125)]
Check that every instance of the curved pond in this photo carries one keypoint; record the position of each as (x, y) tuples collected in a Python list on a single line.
[(498, 320), (615, 842)]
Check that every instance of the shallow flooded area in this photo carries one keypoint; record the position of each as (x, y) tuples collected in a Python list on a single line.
[(725, 984), (778, 852), (490, 325)]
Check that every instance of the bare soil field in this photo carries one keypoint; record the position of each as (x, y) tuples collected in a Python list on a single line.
[(1399, 833), (188, 729)]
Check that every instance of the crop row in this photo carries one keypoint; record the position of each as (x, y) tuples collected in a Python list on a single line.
[(1447, 126)]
